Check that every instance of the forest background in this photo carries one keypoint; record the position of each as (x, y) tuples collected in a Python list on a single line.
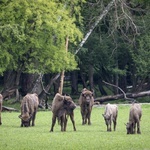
[(42, 44)]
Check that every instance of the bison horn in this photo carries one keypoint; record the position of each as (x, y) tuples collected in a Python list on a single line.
[(20, 116)]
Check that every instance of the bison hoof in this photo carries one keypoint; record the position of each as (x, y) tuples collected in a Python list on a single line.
[(0, 123)]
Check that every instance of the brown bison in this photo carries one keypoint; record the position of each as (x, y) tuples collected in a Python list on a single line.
[(110, 115), (1, 101), (62, 106), (86, 102), (29, 106), (135, 115)]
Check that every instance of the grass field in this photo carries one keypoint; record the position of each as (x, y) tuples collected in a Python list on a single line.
[(93, 137)]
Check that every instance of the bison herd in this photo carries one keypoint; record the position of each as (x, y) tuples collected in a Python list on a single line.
[(63, 107)]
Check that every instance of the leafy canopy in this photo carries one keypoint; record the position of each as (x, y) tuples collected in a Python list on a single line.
[(33, 36)]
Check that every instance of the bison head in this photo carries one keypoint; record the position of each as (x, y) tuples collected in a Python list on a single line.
[(107, 119), (129, 127), (87, 95), (25, 119), (69, 105)]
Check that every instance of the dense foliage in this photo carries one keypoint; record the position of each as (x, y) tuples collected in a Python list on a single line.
[(33, 36)]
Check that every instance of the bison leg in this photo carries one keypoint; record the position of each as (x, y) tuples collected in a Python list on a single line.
[(0, 120), (108, 128), (89, 118), (21, 123), (53, 123), (33, 118), (134, 128), (73, 122), (115, 123), (63, 123), (138, 128), (83, 117)]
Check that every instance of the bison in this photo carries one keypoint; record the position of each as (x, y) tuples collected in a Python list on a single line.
[(1, 101), (135, 115), (62, 106), (29, 106), (86, 102), (110, 115)]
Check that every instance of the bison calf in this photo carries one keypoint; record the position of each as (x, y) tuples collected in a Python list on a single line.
[(62, 106), (135, 115), (1, 101), (29, 106), (86, 102), (110, 115)]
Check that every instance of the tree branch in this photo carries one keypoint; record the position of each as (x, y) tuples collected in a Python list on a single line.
[(124, 94), (104, 13)]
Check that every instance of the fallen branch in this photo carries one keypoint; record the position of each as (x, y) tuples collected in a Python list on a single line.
[(124, 94), (121, 96), (4, 108)]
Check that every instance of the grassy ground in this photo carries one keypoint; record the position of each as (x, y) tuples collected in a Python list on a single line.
[(94, 137)]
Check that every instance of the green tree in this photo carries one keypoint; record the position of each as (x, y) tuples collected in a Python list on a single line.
[(32, 36)]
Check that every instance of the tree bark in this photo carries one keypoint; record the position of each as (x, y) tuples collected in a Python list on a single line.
[(11, 84), (91, 72), (74, 82), (104, 13), (61, 82), (63, 72)]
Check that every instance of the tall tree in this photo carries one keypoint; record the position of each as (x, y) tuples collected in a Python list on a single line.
[(33, 34)]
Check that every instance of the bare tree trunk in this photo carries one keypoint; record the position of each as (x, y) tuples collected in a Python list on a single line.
[(63, 72), (83, 79), (91, 72), (104, 13), (74, 82), (61, 82)]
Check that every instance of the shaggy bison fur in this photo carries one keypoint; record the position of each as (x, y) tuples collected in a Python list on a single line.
[(86, 102), (62, 106), (110, 115), (135, 115), (1, 102), (29, 106)]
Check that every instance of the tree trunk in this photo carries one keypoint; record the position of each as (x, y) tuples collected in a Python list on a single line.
[(48, 86), (83, 79), (101, 89), (61, 82), (28, 83), (91, 72), (103, 14), (11, 84), (63, 72), (74, 82)]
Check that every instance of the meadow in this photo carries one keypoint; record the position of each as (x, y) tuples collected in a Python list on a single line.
[(93, 137)]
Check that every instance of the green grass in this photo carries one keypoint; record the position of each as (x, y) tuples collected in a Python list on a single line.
[(94, 137)]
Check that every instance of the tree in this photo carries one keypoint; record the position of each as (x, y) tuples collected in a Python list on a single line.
[(33, 34)]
